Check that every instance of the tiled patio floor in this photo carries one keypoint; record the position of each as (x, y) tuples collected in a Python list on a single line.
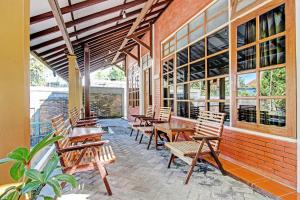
[(141, 174)]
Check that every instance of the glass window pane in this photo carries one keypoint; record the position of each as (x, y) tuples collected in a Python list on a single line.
[(197, 34), (195, 107), (165, 67), (165, 80), (243, 4), (197, 70), (182, 32), (171, 78), (216, 22), (272, 52), (171, 91), (218, 65), (246, 59), (218, 88), (246, 110), (166, 103), (272, 22), (171, 65), (273, 82), (222, 108), (183, 109), (182, 57), (183, 92), (246, 33), (196, 22), (197, 91), (272, 112), (197, 50), (216, 8), (172, 49), (182, 74), (218, 41), (182, 42), (246, 85)]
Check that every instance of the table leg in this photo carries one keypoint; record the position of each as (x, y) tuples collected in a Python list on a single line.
[(155, 138)]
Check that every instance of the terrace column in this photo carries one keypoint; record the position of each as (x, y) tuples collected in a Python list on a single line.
[(87, 81), (73, 102), (14, 79), (78, 105)]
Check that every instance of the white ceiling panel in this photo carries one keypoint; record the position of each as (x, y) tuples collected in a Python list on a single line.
[(135, 8), (97, 20), (51, 46), (96, 8), (128, 18), (42, 25), (38, 7), (96, 30), (45, 38)]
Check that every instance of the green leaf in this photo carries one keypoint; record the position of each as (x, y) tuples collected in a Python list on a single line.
[(67, 178), (19, 154), (13, 196), (17, 170), (33, 185), (8, 191), (42, 144), (48, 198), (5, 160), (50, 167), (56, 186), (35, 175)]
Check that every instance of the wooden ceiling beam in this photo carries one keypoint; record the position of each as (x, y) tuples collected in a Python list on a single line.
[(64, 10), (61, 24), (141, 16)]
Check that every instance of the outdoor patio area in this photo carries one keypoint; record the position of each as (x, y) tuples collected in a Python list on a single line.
[(142, 174)]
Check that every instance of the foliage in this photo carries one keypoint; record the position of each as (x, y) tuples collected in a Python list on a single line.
[(112, 73), (33, 181), (36, 72)]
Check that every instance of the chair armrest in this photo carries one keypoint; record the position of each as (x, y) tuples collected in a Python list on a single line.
[(89, 118), (157, 121), (86, 120), (201, 137), (82, 146), (138, 116)]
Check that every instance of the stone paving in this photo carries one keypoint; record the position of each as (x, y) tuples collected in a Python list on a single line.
[(141, 174)]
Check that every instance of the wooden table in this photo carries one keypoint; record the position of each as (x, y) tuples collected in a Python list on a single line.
[(85, 134), (172, 129)]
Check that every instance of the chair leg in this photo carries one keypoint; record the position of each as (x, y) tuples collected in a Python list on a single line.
[(142, 135), (103, 174), (137, 135), (190, 173), (131, 132), (150, 140), (171, 159)]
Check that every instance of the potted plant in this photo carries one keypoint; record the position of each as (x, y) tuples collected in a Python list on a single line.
[(32, 181)]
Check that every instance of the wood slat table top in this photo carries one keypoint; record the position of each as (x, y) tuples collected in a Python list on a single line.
[(174, 127), (83, 133)]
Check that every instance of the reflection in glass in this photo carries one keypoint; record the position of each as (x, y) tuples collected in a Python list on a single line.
[(219, 88), (198, 33), (197, 90), (171, 78), (183, 109), (273, 82), (272, 52), (246, 110), (246, 85), (182, 74), (182, 32), (170, 65), (165, 67), (197, 50), (272, 112), (165, 80), (182, 42), (246, 59), (196, 22), (182, 92), (272, 22), (171, 91), (217, 22), (218, 65), (219, 8), (182, 57), (246, 33), (217, 41), (195, 107), (222, 108), (197, 70)]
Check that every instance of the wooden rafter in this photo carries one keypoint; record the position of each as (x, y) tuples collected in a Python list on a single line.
[(142, 15)]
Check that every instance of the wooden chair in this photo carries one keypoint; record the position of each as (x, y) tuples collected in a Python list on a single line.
[(147, 128), (84, 157), (209, 128), (76, 121), (150, 113)]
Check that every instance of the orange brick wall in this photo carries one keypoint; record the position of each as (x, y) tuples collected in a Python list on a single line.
[(270, 157)]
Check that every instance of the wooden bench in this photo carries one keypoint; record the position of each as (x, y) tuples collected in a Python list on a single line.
[(208, 133)]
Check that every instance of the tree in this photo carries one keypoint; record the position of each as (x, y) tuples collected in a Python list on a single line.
[(36, 72), (112, 73)]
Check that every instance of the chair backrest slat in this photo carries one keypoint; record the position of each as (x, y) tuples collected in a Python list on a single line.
[(165, 114), (150, 111), (210, 124)]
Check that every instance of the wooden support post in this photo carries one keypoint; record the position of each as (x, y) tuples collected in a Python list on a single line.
[(72, 81), (87, 81), (139, 55), (130, 54)]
